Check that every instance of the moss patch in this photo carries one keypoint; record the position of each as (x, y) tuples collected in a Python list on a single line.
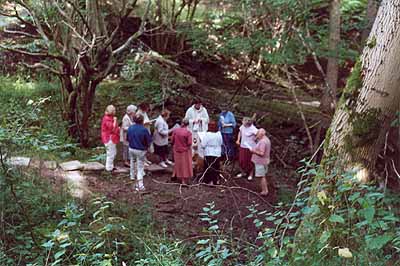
[(372, 43), (365, 129), (353, 86)]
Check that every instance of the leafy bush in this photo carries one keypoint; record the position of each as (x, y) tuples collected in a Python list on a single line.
[(79, 243), (340, 223), (30, 124)]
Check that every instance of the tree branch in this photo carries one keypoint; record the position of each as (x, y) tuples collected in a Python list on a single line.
[(136, 35), (17, 16), (81, 16), (38, 26), (76, 33), (26, 34), (126, 12), (44, 66), (38, 55)]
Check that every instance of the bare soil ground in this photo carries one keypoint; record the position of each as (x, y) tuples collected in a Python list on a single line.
[(175, 208)]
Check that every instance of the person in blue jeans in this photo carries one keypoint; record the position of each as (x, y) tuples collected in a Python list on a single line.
[(226, 125), (139, 139)]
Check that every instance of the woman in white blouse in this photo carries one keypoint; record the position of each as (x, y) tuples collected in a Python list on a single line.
[(211, 143), (160, 138), (127, 121)]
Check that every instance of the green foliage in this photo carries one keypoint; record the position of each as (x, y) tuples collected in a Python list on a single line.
[(213, 251), (30, 124), (80, 242), (29, 206), (353, 6), (341, 223), (345, 214), (271, 32)]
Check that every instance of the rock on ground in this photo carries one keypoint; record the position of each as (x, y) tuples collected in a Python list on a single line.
[(71, 166), (52, 165), (93, 166), (19, 161), (76, 183)]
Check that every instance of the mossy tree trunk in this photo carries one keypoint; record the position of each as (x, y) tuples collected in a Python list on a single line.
[(370, 99)]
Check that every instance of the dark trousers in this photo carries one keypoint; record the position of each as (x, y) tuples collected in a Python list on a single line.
[(211, 169), (228, 149)]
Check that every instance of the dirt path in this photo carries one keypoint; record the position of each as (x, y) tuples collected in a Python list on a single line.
[(176, 208)]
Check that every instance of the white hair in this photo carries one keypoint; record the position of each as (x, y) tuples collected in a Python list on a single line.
[(110, 110), (131, 109)]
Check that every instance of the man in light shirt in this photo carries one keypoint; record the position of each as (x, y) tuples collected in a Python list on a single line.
[(198, 118)]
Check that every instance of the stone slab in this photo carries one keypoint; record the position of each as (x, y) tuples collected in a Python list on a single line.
[(35, 164), (19, 161), (93, 166), (74, 176), (51, 165), (76, 183), (156, 168), (71, 166), (121, 170)]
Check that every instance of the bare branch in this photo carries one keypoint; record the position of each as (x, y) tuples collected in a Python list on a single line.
[(38, 26), (44, 66), (21, 33), (137, 34), (38, 55), (81, 16), (126, 12), (17, 16), (76, 33)]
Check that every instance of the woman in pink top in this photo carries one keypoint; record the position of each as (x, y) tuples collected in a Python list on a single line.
[(182, 146), (246, 140), (110, 136), (261, 158)]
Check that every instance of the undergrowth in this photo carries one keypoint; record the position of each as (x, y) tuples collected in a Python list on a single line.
[(344, 223), (335, 221)]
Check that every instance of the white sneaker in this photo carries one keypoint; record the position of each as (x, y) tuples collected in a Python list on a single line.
[(169, 162), (250, 178), (140, 189), (240, 175), (163, 165)]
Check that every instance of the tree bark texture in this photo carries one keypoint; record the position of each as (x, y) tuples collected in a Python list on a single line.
[(332, 71), (370, 99)]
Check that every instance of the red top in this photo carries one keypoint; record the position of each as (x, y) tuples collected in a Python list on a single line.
[(181, 139), (108, 131)]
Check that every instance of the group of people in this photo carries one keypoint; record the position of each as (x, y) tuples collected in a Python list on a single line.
[(194, 138)]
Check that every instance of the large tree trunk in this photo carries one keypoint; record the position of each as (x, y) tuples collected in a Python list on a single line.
[(371, 97), (70, 106), (86, 105), (78, 106)]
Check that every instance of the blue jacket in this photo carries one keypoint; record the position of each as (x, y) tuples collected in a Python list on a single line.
[(139, 137), (228, 118)]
